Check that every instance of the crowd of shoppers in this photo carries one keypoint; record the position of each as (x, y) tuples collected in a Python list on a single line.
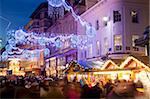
[(42, 87)]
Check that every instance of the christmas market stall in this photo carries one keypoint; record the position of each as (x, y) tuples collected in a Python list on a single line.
[(135, 65), (73, 71), (82, 70), (112, 69), (127, 69), (109, 70)]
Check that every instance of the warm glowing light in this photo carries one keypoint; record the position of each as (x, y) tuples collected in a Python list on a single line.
[(112, 72), (106, 19)]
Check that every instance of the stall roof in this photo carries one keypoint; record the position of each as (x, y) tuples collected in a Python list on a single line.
[(73, 67), (118, 61), (106, 65), (144, 61), (90, 64)]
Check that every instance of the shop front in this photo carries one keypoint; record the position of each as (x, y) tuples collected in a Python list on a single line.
[(15, 67), (61, 65), (53, 67), (47, 64), (30, 67), (3, 71)]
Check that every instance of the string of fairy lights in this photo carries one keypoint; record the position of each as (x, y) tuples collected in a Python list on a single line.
[(20, 37)]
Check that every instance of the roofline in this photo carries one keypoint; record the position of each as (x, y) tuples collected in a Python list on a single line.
[(91, 8), (38, 8)]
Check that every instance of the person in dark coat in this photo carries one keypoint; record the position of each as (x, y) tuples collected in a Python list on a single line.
[(108, 87), (96, 91), (85, 92), (8, 92)]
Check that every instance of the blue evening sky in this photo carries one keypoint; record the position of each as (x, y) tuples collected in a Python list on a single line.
[(17, 12)]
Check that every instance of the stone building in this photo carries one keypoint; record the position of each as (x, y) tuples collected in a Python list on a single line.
[(118, 24)]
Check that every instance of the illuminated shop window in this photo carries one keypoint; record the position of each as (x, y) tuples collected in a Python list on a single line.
[(118, 42), (134, 15)]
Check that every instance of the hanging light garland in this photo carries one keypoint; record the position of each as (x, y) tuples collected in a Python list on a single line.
[(90, 30), (22, 37), (76, 41)]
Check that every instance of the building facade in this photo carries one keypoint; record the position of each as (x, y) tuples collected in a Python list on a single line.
[(39, 23), (46, 19), (39, 20), (118, 23), (65, 25)]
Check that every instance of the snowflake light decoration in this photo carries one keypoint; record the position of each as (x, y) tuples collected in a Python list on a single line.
[(4, 55), (12, 42), (46, 51), (55, 3)]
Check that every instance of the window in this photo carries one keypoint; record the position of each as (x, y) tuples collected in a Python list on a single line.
[(106, 45), (98, 47), (116, 16), (36, 23), (80, 2), (85, 54), (90, 50), (134, 15), (97, 25), (134, 37), (45, 14), (82, 54), (118, 42), (42, 15)]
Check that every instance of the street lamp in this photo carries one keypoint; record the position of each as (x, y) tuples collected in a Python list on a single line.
[(105, 20)]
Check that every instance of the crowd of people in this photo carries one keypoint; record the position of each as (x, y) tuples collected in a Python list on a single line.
[(52, 88)]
